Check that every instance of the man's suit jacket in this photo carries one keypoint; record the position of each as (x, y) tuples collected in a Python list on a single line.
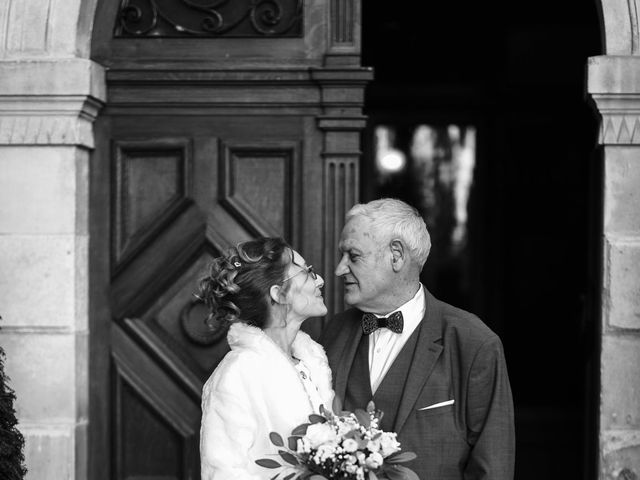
[(457, 358)]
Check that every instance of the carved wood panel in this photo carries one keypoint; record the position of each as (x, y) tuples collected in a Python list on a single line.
[(343, 14), (152, 183), (156, 424), (340, 177), (177, 202), (258, 185)]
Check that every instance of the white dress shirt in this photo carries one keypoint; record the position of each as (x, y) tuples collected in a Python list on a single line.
[(384, 345)]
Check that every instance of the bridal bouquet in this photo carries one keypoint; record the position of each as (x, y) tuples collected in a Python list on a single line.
[(346, 446)]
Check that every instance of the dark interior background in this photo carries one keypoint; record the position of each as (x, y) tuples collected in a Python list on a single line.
[(515, 73)]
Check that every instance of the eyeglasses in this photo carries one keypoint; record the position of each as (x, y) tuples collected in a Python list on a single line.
[(308, 269)]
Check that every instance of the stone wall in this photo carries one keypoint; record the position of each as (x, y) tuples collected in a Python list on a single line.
[(48, 99), (614, 84)]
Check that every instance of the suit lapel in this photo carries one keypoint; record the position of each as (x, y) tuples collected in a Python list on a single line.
[(427, 351), (345, 361)]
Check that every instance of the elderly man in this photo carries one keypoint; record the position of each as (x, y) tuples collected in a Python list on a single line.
[(437, 372)]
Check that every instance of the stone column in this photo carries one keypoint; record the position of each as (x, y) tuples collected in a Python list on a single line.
[(47, 107), (614, 85)]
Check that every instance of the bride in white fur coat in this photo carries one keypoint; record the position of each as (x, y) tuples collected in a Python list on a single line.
[(275, 375)]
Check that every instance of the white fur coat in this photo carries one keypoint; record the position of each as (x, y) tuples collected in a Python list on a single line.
[(256, 390)]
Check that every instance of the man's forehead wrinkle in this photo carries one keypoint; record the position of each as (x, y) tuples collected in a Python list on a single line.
[(352, 230), (357, 235), (352, 245), (357, 232)]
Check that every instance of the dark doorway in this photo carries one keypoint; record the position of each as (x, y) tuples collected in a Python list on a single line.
[(477, 116)]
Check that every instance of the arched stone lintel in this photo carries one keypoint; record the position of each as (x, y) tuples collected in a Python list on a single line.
[(620, 19), (44, 28)]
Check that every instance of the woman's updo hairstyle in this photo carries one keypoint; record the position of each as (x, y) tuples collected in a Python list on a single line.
[(238, 284)]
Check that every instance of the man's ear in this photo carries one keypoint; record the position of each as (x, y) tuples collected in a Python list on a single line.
[(398, 254)]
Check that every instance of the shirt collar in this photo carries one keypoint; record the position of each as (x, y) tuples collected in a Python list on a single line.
[(413, 310)]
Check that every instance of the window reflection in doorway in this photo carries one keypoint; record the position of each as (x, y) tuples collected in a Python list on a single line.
[(432, 168)]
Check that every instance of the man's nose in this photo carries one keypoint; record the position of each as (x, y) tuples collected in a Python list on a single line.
[(319, 281), (342, 268)]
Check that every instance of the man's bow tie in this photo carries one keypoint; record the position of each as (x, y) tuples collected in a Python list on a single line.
[(370, 323)]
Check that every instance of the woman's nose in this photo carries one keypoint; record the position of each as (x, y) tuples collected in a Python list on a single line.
[(319, 281)]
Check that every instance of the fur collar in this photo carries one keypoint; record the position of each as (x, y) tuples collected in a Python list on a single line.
[(243, 336)]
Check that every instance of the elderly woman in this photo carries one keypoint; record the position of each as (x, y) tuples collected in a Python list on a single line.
[(275, 375)]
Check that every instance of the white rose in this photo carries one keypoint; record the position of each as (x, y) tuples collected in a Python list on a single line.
[(388, 444), (361, 458), (373, 445), (350, 445), (319, 434), (373, 461)]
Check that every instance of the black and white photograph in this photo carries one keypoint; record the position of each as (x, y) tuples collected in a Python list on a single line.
[(319, 240)]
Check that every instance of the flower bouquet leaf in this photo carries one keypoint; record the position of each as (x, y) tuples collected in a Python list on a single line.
[(268, 463), (292, 443), (300, 430), (276, 439), (314, 418), (288, 457), (345, 445)]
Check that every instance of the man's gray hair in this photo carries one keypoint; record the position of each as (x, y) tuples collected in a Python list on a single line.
[(397, 219)]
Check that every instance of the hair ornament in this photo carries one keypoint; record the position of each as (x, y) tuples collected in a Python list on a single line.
[(237, 264)]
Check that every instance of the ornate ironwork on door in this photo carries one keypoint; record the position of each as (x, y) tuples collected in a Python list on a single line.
[(209, 18)]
